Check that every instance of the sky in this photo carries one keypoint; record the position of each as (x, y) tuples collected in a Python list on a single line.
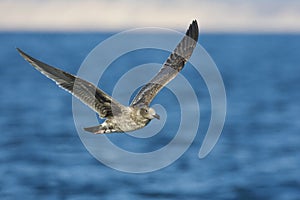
[(115, 15)]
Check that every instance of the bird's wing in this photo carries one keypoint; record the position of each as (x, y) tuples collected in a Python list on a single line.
[(170, 68), (85, 91)]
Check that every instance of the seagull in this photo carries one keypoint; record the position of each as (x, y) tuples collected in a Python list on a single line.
[(118, 117)]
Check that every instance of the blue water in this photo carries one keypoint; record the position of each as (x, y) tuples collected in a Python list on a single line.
[(257, 156)]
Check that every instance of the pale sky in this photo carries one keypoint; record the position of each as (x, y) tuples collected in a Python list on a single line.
[(115, 15)]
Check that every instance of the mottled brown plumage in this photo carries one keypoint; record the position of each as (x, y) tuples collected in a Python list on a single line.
[(120, 118)]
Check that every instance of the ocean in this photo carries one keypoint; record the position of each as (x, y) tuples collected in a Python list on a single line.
[(256, 157)]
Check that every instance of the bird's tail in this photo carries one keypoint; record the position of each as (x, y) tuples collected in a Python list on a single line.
[(100, 129), (95, 129)]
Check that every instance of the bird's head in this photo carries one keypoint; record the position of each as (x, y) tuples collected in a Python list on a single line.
[(149, 113)]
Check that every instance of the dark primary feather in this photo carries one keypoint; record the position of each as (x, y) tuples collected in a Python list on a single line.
[(85, 91), (170, 68)]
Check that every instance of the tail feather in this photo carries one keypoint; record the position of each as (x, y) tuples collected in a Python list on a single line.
[(100, 129), (95, 129)]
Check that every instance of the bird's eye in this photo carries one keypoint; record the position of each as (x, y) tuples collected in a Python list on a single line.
[(144, 110)]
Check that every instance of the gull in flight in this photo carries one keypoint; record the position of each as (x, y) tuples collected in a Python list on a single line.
[(121, 118)]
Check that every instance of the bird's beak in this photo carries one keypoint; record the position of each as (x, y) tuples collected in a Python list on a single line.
[(156, 116)]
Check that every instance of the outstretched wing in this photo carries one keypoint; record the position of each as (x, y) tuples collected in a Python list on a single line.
[(85, 91), (170, 68)]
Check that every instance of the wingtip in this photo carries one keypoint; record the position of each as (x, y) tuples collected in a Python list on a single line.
[(193, 30), (195, 22), (19, 50), (22, 53), (27, 57)]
